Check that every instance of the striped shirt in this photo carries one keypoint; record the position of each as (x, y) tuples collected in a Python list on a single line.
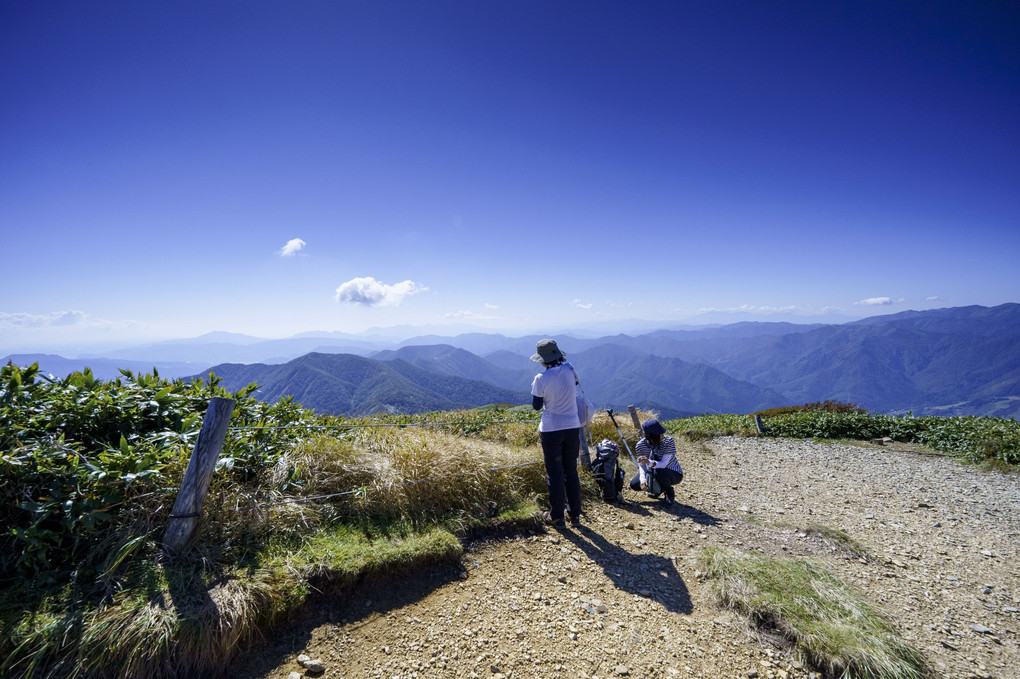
[(663, 455)]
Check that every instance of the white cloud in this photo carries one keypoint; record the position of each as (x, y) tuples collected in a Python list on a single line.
[(470, 315), (580, 305), (57, 319), (749, 308), (875, 301), (491, 306), (933, 298), (292, 247), (367, 291)]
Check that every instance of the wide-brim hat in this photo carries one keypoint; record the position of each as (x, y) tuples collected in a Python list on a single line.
[(652, 426), (547, 352)]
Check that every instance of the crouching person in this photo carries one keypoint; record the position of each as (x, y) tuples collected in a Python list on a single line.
[(658, 468)]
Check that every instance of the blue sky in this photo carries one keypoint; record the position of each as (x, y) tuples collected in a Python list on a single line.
[(173, 168)]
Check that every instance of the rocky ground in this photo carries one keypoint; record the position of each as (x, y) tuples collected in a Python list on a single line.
[(622, 595)]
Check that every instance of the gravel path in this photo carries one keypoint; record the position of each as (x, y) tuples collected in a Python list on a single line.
[(621, 595)]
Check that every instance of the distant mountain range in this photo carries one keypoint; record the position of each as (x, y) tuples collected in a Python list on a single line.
[(345, 384), (957, 361)]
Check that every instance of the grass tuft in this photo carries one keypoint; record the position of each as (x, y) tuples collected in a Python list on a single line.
[(829, 622), (838, 539)]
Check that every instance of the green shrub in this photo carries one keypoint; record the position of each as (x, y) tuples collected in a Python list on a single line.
[(975, 439), (829, 406)]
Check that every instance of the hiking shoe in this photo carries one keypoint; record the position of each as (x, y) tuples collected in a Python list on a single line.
[(652, 495), (575, 519), (555, 523), (667, 500)]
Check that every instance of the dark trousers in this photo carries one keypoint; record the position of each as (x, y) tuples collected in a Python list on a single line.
[(667, 478), (560, 449)]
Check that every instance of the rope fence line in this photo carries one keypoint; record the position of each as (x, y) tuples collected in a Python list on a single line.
[(401, 485)]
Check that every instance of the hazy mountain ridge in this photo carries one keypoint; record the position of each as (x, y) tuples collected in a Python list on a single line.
[(617, 376), (450, 360), (612, 376), (345, 384), (956, 361), (941, 362), (102, 368)]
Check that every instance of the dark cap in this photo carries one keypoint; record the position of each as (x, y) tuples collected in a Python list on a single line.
[(652, 426)]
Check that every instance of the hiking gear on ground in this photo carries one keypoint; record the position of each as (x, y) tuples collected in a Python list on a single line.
[(654, 487), (605, 468), (665, 483), (609, 411)]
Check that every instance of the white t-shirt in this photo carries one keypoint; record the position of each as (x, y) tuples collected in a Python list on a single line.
[(556, 388)]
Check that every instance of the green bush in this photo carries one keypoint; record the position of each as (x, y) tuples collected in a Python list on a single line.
[(975, 439), (825, 424), (88, 464), (829, 406)]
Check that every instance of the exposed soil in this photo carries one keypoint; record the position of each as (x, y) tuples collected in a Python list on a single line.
[(621, 595)]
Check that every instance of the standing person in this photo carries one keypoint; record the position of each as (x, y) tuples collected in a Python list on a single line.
[(656, 455), (554, 394)]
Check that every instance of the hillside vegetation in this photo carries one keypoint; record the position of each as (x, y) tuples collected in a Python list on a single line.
[(300, 501)]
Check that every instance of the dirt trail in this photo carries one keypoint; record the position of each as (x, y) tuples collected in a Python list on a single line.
[(621, 595)]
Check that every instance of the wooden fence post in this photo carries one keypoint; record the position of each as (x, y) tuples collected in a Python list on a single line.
[(585, 453), (633, 416), (195, 485)]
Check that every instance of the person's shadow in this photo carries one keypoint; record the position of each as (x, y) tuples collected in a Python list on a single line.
[(682, 511), (648, 575), (677, 509)]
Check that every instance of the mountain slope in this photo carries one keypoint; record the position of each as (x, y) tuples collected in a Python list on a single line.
[(613, 376), (345, 384), (617, 376), (964, 361), (444, 359)]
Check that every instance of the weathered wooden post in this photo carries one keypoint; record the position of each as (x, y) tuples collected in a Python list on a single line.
[(584, 450), (759, 425), (195, 485), (634, 416)]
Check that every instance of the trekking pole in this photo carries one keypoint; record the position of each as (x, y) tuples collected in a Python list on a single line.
[(609, 411)]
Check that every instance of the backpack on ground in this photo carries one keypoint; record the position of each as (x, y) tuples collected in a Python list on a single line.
[(605, 468)]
